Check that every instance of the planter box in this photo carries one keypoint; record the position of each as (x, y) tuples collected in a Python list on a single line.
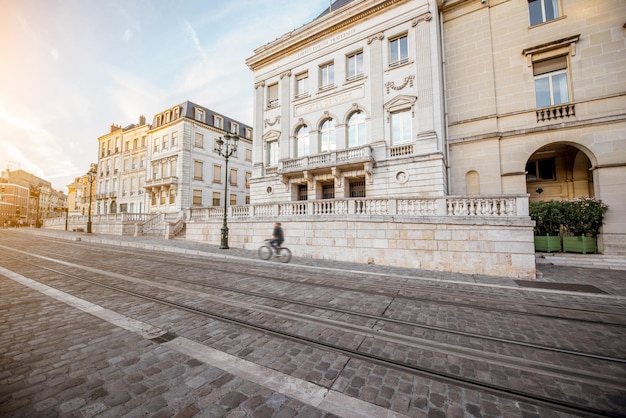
[(579, 244), (548, 243)]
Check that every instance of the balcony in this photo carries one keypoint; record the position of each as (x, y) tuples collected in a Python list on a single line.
[(555, 112), (344, 159)]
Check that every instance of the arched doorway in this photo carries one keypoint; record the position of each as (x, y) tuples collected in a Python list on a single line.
[(559, 172), (113, 207)]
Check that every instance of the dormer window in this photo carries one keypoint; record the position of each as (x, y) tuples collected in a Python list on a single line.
[(218, 122), (199, 115), (234, 128)]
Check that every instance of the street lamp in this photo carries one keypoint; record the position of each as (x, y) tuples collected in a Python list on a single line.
[(91, 176), (225, 148)]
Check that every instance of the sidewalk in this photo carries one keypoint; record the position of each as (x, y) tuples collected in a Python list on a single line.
[(549, 276)]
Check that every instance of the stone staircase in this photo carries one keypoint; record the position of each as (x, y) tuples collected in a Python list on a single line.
[(598, 261)]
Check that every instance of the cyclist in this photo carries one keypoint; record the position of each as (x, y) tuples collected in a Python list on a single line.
[(277, 236)]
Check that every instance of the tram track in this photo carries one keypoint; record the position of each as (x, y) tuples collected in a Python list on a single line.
[(366, 332)]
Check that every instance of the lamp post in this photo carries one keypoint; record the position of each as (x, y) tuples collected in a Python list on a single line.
[(225, 148), (91, 176)]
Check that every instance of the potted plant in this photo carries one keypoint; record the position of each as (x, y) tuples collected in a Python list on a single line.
[(548, 217), (583, 219)]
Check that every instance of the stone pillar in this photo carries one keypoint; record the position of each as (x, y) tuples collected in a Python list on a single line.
[(257, 143), (424, 76), (285, 105), (377, 97)]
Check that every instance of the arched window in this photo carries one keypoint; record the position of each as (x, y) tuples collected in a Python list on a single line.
[(356, 129), (302, 141), (327, 138)]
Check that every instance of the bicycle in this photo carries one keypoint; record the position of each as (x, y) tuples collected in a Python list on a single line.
[(266, 251)]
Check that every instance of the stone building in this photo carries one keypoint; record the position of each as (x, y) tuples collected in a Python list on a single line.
[(122, 169), (536, 102), (184, 170)]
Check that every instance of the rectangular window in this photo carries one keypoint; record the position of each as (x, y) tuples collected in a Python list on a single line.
[(248, 154), (399, 51), (248, 133), (218, 122), (217, 173), (248, 177), (328, 191), (541, 170), (232, 178), (303, 192), (327, 75), (272, 95), (174, 139), (302, 84), (233, 200), (401, 127), (197, 197), (234, 128), (216, 198), (357, 188), (199, 115), (199, 140), (166, 141), (355, 65), (551, 84), (541, 11), (272, 154), (157, 144), (197, 170)]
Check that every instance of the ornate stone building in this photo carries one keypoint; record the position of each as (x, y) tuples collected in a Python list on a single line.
[(350, 105), (536, 101), (184, 170)]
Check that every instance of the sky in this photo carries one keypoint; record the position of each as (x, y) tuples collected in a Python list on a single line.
[(71, 68)]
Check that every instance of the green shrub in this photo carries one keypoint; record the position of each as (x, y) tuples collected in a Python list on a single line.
[(548, 217), (583, 216)]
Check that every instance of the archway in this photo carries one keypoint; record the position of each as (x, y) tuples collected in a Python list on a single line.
[(559, 172)]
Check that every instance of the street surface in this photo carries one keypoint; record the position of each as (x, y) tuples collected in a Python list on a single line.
[(178, 329)]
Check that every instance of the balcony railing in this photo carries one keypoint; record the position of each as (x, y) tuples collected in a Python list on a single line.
[(165, 181), (327, 159), (445, 206), (556, 112)]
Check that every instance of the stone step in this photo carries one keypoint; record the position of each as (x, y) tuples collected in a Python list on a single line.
[(599, 261)]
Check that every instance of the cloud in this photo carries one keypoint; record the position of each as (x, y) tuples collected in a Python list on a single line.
[(194, 37)]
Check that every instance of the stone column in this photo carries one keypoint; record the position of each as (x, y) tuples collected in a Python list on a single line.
[(257, 142), (377, 97), (424, 77), (285, 105)]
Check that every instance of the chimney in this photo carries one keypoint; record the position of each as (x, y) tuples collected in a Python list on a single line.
[(114, 127), (142, 120)]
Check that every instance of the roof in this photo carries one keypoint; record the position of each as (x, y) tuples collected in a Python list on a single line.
[(337, 4)]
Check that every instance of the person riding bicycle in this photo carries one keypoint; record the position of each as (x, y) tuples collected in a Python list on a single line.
[(277, 236)]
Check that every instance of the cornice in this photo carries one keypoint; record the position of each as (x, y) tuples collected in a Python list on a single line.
[(300, 38)]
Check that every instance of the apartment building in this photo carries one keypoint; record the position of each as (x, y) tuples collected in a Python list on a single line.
[(184, 169), (121, 169), (536, 102)]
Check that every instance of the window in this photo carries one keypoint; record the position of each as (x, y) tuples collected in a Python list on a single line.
[(272, 154), (248, 154), (157, 144), (356, 129), (198, 167), (218, 122), (248, 177), (233, 200), (551, 84), (401, 127), (303, 192), (199, 140), (172, 197), (328, 191), (217, 173), (216, 198), (542, 11), (173, 168), (166, 139), (199, 115), (327, 75), (174, 139), (126, 145), (399, 51), (272, 95), (302, 141), (541, 170), (197, 197), (232, 178), (234, 128), (302, 84), (249, 133), (327, 138), (355, 65), (357, 188)]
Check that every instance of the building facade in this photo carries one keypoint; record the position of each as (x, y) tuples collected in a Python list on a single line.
[(121, 174), (185, 171), (350, 105), (536, 102), (399, 98)]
